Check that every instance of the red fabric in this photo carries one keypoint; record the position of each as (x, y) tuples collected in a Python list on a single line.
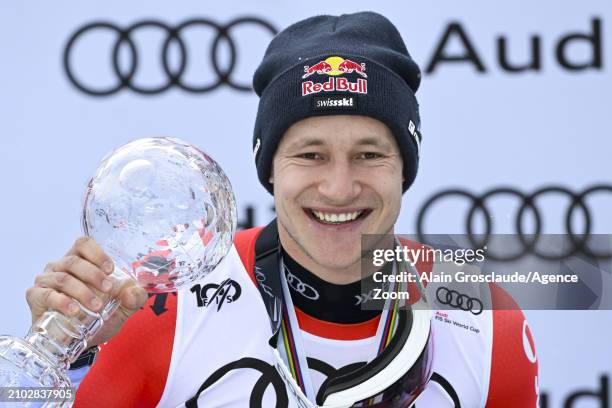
[(131, 369), (513, 381), (245, 245), (336, 331), (422, 266)]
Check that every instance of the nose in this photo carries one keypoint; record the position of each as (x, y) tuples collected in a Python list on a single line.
[(339, 183)]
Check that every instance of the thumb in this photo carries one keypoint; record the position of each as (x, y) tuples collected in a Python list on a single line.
[(132, 298)]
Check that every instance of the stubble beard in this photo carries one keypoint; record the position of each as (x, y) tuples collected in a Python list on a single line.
[(347, 269)]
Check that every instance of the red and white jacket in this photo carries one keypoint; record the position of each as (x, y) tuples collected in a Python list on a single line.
[(207, 346)]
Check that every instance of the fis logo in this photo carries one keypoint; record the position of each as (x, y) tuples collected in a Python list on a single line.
[(335, 67), (227, 291)]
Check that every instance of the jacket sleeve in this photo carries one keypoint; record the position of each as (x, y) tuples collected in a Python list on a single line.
[(513, 380), (131, 369)]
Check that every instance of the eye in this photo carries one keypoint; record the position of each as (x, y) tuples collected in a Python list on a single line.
[(369, 155), (310, 156)]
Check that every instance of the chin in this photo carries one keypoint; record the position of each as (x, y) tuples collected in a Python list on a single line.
[(331, 259)]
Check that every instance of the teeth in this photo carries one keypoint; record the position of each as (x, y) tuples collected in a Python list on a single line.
[(336, 218)]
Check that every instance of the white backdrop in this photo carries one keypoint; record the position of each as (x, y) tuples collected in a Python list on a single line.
[(481, 129)]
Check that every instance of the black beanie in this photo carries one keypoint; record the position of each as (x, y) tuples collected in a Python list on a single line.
[(353, 64)]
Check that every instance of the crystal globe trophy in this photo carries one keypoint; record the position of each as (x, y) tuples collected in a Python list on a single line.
[(165, 212)]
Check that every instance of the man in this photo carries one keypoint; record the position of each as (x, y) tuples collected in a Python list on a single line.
[(337, 143)]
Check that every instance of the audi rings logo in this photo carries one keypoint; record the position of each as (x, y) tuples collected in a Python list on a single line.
[(125, 69), (578, 241), (458, 300), (269, 376), (300, 287)]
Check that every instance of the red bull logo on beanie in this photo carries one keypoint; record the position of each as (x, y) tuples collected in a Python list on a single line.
[(321, 67), (334, 67)]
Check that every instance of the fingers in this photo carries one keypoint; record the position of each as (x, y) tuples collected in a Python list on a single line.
[(42, 299), (81, 275), (68, 286), (86, 248), (83, 270)]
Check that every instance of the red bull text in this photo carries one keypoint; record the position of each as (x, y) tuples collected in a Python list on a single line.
[(335, 84), (334, 67)]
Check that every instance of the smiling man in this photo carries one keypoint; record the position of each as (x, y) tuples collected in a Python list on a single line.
[(281, 321)]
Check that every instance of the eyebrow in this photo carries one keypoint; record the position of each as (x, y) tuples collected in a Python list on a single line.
[(308, 141), (372, 141), (315, 141)]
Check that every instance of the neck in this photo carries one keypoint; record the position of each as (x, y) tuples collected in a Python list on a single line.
[(329, 302), (335, 275)]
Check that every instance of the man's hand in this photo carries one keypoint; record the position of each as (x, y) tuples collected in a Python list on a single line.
[(83, 275)]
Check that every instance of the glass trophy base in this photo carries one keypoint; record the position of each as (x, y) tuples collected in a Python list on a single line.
[(22, 366)]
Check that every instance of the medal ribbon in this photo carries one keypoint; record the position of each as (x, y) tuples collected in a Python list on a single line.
[(292, 339)]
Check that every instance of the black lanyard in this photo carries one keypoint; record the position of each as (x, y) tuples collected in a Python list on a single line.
[(267, 274)]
